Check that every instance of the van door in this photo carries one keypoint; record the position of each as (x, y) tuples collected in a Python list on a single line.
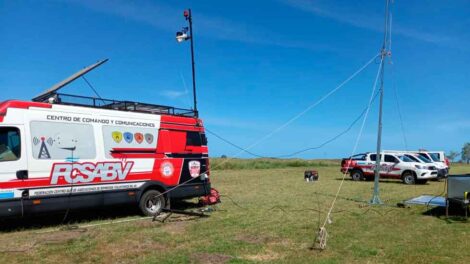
[(390, 167), (13, 169)]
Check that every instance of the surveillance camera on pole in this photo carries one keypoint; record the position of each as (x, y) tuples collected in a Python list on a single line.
[(182, 36)]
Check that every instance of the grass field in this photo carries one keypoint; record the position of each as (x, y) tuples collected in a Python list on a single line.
[(273, 218)]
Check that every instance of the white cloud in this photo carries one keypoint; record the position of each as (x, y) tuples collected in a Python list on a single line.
[(169, 19), (173, 94), (370, 22)]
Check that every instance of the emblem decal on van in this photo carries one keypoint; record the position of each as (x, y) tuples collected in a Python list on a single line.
[(128, 137), (88, 172), (117, 136), (139, 137), (43, 151), (194, 168), (149, 138), (167, 169)]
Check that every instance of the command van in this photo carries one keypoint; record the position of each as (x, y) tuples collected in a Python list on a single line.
[(61, 152)]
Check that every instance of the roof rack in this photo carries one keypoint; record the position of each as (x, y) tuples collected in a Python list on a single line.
[(52, 96), (93, 102)]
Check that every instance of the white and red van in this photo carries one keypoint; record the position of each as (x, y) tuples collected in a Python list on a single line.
[(61, 155)]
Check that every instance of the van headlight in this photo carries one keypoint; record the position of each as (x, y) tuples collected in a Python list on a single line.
[(420, 167)]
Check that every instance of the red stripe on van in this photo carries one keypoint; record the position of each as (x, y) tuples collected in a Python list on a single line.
[(4, 106)]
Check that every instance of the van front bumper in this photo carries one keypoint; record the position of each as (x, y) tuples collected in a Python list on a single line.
[(426, 174), (442, 173)]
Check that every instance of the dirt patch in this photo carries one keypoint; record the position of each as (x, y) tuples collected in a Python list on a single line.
[(59, 237), (208, 258), (28, 242), (252, 239), (18, 247), (175, 228), (122, 250), (148, 223), (267, 256)]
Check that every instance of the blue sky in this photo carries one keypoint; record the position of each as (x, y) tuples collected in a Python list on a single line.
[(259, 63)]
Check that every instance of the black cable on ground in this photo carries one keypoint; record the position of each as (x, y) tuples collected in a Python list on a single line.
[(284, 210), (443, 192)]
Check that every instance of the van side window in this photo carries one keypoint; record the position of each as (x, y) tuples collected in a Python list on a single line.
[(359, 157), (10, 144), (373, 157), (203, 139), (62, 141), (390, 158), (195, 139)]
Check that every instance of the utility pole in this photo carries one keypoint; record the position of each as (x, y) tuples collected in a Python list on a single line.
[(383, 54), (183, 36)]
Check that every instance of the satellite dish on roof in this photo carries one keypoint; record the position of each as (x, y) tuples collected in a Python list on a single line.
[(49, 93)]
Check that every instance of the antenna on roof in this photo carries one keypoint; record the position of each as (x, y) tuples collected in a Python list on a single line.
[(46, 95)]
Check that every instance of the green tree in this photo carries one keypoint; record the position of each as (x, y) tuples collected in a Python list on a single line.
[(452, 155), (466, 153)]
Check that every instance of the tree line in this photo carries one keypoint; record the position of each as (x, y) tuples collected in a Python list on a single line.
[(464, 154)]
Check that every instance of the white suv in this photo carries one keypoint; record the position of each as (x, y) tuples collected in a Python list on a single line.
[(439, 159), (392, 165)]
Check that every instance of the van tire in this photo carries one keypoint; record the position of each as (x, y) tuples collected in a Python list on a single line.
[(152, 203), (357, 175), (408, 177)]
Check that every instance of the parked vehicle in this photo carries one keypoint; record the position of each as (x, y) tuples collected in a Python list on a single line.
[(438, 158), (435, 157), (392, 166), (65, 155)]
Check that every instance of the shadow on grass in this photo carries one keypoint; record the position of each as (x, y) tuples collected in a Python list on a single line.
[(82, 216), (456, 214)]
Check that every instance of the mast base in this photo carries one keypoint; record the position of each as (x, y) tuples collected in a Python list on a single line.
[(375, 200)]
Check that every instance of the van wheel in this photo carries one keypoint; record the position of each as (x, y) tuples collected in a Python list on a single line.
[(408, 178), (357, 175), (151, 203)]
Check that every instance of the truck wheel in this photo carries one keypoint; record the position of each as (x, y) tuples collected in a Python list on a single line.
[(408, 178), (152, 202), (357, 175)]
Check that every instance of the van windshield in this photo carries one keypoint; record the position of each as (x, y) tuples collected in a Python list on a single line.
[(435, 156), (10, 147), (405, 158), (415, 159), (424, 158)]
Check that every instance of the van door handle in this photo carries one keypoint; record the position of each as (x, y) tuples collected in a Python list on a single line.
[(22, 174)]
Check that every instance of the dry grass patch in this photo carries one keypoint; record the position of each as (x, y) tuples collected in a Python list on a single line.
[(266, 256), (130, 249)]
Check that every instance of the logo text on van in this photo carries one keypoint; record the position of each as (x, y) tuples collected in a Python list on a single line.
[(88, 172)]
